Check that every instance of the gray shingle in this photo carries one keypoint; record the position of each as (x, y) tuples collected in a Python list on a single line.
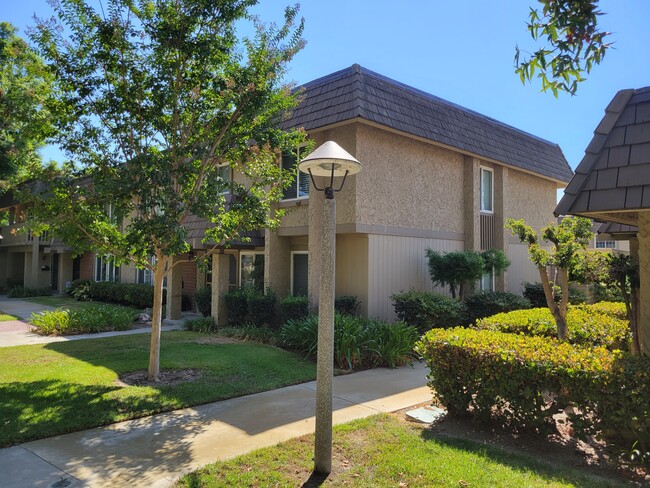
[(643, 113), (387, 102), (634, 175), (640, 154), (607, 179), (618, 156), (638, 133)]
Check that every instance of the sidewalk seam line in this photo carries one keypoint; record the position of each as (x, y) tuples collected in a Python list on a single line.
[(53, 465)]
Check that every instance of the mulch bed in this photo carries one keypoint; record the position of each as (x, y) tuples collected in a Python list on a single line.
[(166, 377)]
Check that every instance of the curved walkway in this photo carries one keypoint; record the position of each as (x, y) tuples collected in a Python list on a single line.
[(155, 451)]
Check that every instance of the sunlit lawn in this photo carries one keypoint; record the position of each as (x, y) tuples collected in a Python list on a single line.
[(5, 317), (383, 451), (51, 389)]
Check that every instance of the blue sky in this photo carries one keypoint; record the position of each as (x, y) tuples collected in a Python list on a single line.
[(459, 50)]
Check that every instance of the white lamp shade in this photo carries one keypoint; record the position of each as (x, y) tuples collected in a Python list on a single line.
[(321, 160)]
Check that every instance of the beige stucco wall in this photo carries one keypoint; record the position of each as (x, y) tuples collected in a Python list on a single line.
[(531, 198), (399, 263), (407, 183)]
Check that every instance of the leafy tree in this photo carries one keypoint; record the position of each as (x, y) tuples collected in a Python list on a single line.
[(159, 97), (574, 40), (569, 240), (25, 118), (462, 269)]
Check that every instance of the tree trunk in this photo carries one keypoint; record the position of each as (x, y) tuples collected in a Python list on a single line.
[(156, 320), (556, 310)]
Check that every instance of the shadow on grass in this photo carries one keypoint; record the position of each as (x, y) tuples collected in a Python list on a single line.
[(548, 468), (315, 480)]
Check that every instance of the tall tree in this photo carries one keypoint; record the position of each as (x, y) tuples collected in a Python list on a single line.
[(574, 43), (159, 97), (25, 120), (567, 240)]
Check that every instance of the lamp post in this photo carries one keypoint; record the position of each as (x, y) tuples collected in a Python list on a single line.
[(330, 161)]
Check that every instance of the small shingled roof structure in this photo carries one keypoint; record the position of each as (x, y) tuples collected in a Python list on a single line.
[(617, 231), (356, 93), (612, 182)]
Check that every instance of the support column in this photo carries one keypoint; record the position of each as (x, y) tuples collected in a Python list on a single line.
[(174, 290), (277, 264), (220, 286), (644, 274), (500, 238), (472, 203), (36, 264)]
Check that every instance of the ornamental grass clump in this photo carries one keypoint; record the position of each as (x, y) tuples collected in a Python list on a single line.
[(522, 381), (91, 319), (358, 342)]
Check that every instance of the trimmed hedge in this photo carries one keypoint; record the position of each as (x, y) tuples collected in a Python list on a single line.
[(203, 298), (358, 342), (522, 381), (489, 303), (25, 292), (249, 306), (613, 309), (586, 326), (427, 309), (346, 304), (135, 295), (294, 307)]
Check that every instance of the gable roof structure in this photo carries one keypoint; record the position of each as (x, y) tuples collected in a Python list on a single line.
[(356, 93), (612, 182)]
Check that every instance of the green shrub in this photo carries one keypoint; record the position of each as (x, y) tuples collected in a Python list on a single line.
[(79, 290), (25, 292), (489, 303), (427, 309), (201, 324), (251, 333), (604, 292), (346, 304), (613, 309), (250, 306), (261, 308), (294, 307), (534, 292), (522, 381), (203, 297), (136, 295), (91, 319), (586, 326), (358, 342)]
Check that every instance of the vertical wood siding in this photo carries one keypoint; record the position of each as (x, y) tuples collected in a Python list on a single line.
[(352, 268), (399, 263), (521, 268)]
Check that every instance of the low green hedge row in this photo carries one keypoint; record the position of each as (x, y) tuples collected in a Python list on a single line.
[(26, 291), (587, 326), (522, 381), (426, 309), (613, 309), (358, 342), (91, 319), (131, 294)]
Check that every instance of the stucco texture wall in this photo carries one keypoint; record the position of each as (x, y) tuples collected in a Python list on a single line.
[(407, 183), (530, 198)]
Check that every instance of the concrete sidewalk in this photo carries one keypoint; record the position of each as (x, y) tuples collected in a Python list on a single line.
[(154, 451)]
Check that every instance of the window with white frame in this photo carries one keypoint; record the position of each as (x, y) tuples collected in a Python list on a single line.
[(225, 173), (300, 185), (605, 244), (251, 270), (145, 275), (487, 190), (106, 269), (487, 282), (299, 273)]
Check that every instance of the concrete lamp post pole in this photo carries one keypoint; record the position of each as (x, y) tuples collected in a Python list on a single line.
[(328, 161)]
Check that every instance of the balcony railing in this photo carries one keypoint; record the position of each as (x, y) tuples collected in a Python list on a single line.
[(488, 231), (15, 235)]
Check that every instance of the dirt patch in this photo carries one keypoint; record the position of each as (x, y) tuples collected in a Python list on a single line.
[(169, 377), (217, 340), (594, 457)]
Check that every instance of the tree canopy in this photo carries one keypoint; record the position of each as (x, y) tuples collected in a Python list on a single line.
[(162, 103), (25, 118), (572, 43)]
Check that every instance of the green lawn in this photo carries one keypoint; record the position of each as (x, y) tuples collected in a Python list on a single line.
[(62, 387), (4, 317), (384, 451)]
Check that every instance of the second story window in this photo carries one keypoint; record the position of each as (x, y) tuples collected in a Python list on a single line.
[(487, 194), (106, 269), (300, 185), (225, 173)]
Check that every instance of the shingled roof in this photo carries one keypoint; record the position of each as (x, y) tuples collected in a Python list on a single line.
[(358, 93), (614, 175)]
